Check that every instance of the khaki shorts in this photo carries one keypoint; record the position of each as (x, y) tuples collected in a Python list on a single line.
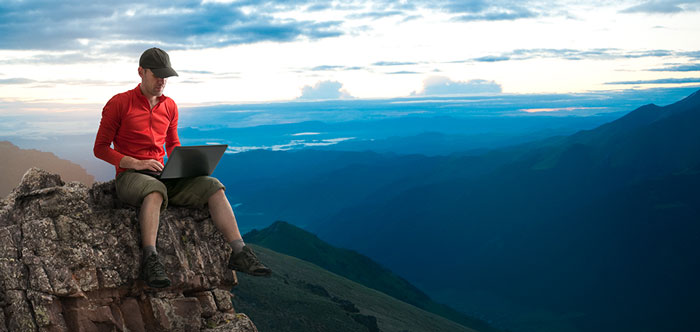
[(133, 187)]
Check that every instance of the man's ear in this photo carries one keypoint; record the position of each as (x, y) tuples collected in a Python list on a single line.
[(142, 71)]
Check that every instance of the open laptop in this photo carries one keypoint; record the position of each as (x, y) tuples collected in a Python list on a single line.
[(190, 161)]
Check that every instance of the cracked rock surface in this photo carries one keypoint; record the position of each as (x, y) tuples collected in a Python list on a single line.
[(70, 260)]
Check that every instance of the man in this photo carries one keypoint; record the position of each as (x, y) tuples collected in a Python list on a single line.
[(139, 122)]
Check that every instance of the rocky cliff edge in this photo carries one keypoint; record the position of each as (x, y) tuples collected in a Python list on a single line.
[(70, 260)]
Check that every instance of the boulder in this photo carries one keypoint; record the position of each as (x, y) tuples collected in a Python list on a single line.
[(70, 260)]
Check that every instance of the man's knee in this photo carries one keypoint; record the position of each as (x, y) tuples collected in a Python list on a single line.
[(219, 192), (137, 189), (154, 197)]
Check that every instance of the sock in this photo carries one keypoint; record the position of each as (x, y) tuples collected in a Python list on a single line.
[(237, 245), (148, 250)]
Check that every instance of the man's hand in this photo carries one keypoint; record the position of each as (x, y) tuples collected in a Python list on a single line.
[(149, 164)]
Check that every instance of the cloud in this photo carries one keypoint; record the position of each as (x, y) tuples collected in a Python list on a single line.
[(393, 63), (440, 85), (335, 68), (490, 58), (327, 67), (663, 7), (125, 27), (499, 15), (575, 55), (682, 68), (692, 54), (659, 81), (8, 81), (324, 90), (375, 15)]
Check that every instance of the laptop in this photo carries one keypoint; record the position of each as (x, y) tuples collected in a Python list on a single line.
[(190, 161)]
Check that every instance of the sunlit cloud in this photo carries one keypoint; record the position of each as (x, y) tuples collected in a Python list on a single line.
[(324, 90), (439, 85)]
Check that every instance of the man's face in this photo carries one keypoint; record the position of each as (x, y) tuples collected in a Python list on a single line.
[(152, 85)]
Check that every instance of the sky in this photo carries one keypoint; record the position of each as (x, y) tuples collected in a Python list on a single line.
[(64, 56)]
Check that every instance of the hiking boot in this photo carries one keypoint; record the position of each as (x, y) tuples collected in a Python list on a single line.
[(245, 261), (153, 272)]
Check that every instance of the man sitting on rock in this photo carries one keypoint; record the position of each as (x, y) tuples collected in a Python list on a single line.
[(139, 122)]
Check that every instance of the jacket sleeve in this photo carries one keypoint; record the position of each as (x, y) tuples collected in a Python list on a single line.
[(171, 138), (111, 120)]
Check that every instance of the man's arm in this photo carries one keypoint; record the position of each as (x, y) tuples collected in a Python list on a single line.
[(171, 138), (109, 124)]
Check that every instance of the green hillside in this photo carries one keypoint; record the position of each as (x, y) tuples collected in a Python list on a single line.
[(300, 296), (288, 239)]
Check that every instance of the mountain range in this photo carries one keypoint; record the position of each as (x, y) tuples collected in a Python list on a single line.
[(594, 231)]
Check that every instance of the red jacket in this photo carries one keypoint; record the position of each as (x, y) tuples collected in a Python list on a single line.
[(135, 129)]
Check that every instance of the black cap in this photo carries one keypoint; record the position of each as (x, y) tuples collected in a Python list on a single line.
[(158, 62)]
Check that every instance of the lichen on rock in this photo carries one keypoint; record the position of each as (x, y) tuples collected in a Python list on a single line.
[(70, 260)]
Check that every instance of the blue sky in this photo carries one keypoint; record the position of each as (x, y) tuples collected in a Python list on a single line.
[(73, 55)]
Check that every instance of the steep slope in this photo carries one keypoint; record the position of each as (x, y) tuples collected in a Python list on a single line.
[(301, 296), (16, 161), (290, 240)]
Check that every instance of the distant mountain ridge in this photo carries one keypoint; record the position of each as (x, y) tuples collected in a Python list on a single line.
[(15, 162)]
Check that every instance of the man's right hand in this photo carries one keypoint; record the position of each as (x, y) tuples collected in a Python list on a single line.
[(137, 164)]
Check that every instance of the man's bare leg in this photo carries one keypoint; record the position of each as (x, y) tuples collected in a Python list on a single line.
[(153, 271), (242, 258), (223, 217), (148, 218)]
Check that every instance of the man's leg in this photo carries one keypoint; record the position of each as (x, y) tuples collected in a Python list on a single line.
[(150, 195), (148, 219), (223, 217), (153, 271), (242, 258), (206, 190)]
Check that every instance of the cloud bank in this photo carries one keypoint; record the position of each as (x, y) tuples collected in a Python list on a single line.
[(128, 27)]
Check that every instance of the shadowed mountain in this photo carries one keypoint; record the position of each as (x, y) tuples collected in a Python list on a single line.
[(300, 296), (290, 240), (15, 162)]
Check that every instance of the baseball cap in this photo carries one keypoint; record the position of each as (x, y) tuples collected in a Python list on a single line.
[(158, 62)]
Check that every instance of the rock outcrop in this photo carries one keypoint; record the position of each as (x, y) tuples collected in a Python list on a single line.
[(70, 260)]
